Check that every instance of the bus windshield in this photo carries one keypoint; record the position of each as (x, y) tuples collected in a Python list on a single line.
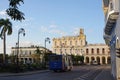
[(55, 58)]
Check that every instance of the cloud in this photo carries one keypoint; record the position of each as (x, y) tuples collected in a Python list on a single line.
[(76, 31), (53, 26), (53, 30), (3, 14), (26, 43)]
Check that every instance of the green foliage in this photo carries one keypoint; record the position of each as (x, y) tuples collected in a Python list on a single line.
[(14, 3), (5, 26), (13, 11), (38, 51), (77, 59)]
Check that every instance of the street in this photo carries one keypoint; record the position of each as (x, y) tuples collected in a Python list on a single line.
[(77, 73)]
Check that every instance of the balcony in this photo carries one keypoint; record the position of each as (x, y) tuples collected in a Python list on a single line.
[(111, 16)]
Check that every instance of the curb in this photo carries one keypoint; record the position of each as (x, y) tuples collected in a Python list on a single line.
[(22, 74)]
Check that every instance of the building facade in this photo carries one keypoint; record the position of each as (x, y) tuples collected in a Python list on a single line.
[(77, 45), (70, 44), (111, 10), (96, 52), (27, 54)]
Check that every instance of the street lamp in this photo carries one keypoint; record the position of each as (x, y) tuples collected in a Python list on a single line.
[(47, 39), (20, 31)]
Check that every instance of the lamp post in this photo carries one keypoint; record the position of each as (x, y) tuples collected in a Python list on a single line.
[(47, 39), (20, 31)]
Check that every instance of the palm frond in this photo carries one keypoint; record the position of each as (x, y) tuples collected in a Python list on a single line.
[(5, 26), (14, 3), (15, 14)]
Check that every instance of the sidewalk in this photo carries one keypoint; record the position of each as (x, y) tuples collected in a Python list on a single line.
[(104, 75), (23, 73)]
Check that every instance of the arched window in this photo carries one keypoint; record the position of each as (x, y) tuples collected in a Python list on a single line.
[(92, 51), (87, 51), (98, 51), (103, 51)]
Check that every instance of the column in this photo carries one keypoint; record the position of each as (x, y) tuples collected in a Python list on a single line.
[(89, 59), (101, 60), (106, 62)]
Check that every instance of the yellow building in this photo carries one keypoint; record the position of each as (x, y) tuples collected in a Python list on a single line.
[(77, 45), (70, 44), (97, 52)]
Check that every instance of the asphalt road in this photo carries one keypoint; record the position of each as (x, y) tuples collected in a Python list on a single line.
[(77, 73)]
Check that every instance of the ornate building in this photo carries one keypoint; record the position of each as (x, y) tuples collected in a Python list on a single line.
[(77, 45), (27, 54), (70, 44)]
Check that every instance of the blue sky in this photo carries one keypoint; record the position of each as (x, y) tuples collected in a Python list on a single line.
[(56, 18)]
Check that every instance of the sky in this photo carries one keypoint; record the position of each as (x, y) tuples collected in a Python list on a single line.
[(54, 19)]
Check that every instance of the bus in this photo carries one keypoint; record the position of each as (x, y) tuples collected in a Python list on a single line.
[(60, 62)]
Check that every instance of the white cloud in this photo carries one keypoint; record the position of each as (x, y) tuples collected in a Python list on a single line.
[(26, 44), (3, 13), (53, 26), (44, 29), (76, 31), (53, 30)]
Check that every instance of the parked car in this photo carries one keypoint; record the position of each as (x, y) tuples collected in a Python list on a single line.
[(94, 63)]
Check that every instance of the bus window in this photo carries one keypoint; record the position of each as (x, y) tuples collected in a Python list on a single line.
[(55, 58)]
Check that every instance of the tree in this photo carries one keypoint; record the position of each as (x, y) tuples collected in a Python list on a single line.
[(38, 53), (13, 11), (5, 26)]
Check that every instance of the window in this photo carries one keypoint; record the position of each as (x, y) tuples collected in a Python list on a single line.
[(30, 52), (97, 50), (87, 51), (92, 51), (103, 51)]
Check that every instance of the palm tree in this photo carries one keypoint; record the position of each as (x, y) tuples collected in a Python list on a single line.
[(5, 26), (13, 11)]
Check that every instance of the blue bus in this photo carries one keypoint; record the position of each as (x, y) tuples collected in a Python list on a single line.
[(60, 62)]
